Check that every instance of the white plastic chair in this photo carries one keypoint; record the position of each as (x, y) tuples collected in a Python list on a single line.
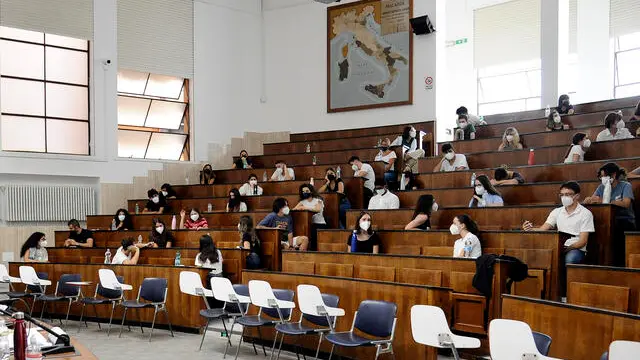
[(624, 350), (5, 278), (223, 291), (429, 327), (108, 280), (29, 277), (511, 339)]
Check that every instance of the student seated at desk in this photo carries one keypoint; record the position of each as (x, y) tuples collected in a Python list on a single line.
[(615, 128), (160, 236), (451, 161), (510, 140), (388, 156), (35, 248), (503, 176), (468, 246), (473, 119), (564, 105), (334, 184), (365, 171), (250, 241), (411, 151), (243, 162), (167, 192), (554, 121), (209, 257), (384, 199), (235, 203), (282, 172), (422, 214), (127, 254), (195, 221), (367, 240), (466, 130), (78, 236), (251, 187), (580, 146), (281, 219), (207, 176), (123, 220), (156, 204), (484, 194)]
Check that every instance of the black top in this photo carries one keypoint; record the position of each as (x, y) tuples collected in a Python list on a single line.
[(162, 239), (425, 225), (151, 206), (255, 245), (82, 237), (365, 246), (127, 224), (240, 164), (564, 110), (518, 177), (335, 188)]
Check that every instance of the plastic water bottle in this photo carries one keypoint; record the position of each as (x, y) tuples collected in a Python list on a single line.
[(473, 179), (107, 257), (176, 262), (139, 239), (467, 248), (606, 195), (402, 184), (137, 209), (311, 182), (547, 111), (173, 222), (379, 142), (314, 160), (209, 207), (255, 190), (354, 240), (113, 224), (264, 177), (338, 173), (532, 157), (308, 148)]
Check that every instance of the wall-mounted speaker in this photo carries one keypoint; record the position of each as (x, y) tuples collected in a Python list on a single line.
[(422, 25)]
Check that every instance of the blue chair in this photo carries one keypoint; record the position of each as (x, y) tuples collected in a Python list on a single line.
[(543, 342), (375, 318), (64, 292), (102, 296), (154, 292)]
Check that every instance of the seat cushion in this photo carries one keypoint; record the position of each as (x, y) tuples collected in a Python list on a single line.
[(95, 301), (294, 329), (212, 313), (17, 295), (348, 339), (136, 305), (50, 298), (254, 321)]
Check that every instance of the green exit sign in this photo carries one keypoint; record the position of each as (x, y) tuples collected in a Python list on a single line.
[(461, 41)]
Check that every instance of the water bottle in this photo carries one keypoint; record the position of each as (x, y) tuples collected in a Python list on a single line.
[(139, 239), (255, 190), (264, 177), (467, 248), (338, 173), (473, 179), (379, 142), (532, 157), (19, 337), (173, 222), (606, 196), (137, 209), (314, 160), (547, 111), (308, 148), (354, 240), (311, 182), (402, 184), (113, 224), (176, 262), (186, 180), (209, 207), (107, 257)]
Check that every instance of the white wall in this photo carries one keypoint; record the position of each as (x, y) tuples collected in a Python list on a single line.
[(295, 41)]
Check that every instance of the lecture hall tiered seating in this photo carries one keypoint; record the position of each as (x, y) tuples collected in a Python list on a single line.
[(413, 268)]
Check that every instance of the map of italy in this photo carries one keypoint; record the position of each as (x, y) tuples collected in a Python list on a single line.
[(370, 42)]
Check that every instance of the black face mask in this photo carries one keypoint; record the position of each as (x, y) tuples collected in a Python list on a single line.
[(384, 148), (331, 177), (244, 156), (207, 171), (306, 195)]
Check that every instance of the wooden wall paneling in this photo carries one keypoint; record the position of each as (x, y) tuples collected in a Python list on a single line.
[(615, 298), (632, 249), (613, 276)]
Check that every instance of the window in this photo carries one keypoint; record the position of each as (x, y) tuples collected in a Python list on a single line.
[(626, 60), (44, 89), (153, 116), (509, 88)]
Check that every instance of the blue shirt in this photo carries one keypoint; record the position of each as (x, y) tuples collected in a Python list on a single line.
[(274, 221), (621, 191), (490, 199)]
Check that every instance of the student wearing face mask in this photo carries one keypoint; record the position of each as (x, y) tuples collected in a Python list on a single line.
[(155, 205), (127, 253), (282, 172), (334, 184), (468, 246), (235, 203), (35, 248), (243, 162), (311, 201), (473, 119), (410, 149), (504, 176), (510, 140), (78, 237), (388, 157), (383, 199), (466, 130), (195, 221), (451, 161), (167, 192), (636, 114), (554, 121), (616, 191), (123, 221), (564, 105), (160, 236), (615, 128), (207, 176), (367, 240), (422, 214), (281, 218), (251, 187), (366, 172), (249, 241), (484, 194), (580, 146)]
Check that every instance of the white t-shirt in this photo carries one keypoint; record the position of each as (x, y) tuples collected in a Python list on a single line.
[(243, 207), (387, 158), (216, 268), (384, 202), (458, 161), (318, 218), (476, 249), (412, 147), (580, 220), (279, 176), (605, 135), (370, 177), (120, 257), (575, 149), (247, 190)]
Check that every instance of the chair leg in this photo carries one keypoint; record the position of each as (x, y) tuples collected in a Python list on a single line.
[(66, 320), (81, 316), (273, 348), (153, 323), (297, 352), (318, 349), (261, 342), (140, 319), (113, 307), (280, 347), (455, 352), (224, 325), (124, 316), (166, 313), (331, 353), (44, 304), (226, 346), (204, 333), (95, 312), (240, 343)]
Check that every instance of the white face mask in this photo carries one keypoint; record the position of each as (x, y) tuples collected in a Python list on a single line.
[(434, 207), (155, 199), (586, 144), (566, 200), (606, 180), (365, 225), (164, 193), (450, 155), (463, 125), (480, 190), (556, 118), (159, 229), (380, 191), (253, 182), (195, 217), (354, 167), (454, 229), (43, 243), (286, 210), (121, 217), (620, 124), (509, 138), (412, 133)]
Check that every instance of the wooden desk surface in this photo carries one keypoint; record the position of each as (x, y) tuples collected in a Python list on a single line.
[(426, 126)]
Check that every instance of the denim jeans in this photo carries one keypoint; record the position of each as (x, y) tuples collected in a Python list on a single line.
[(342, 212), (574, 256)]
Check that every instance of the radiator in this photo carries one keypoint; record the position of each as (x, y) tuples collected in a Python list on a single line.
[(49, 203)]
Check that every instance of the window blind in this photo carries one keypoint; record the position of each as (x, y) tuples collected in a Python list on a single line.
[(156, 36), (72, 18), (507, 33), (625, 17)]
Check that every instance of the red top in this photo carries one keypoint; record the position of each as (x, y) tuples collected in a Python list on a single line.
[(201, 223)]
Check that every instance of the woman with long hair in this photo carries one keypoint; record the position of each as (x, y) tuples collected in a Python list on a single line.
[(422, 213), (580, 145), (250, 241), (334, 184), (311, 201), (510, 140), (209, 256), (123, 220), (564, 105), (410, 149), (207, 176), (468, 245), (160, 236), (554, 121), (195, 221), (366, 240), (35, 248), (485, 194), (235, 203)]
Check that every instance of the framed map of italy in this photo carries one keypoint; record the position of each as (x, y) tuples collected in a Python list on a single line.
[(369, 55)]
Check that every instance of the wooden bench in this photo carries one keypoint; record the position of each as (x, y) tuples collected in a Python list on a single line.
[(426, 126), (541, 251), (351, 293), (632, 249), (269, 241), (502, 218), (611, 288), (578, 332)]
